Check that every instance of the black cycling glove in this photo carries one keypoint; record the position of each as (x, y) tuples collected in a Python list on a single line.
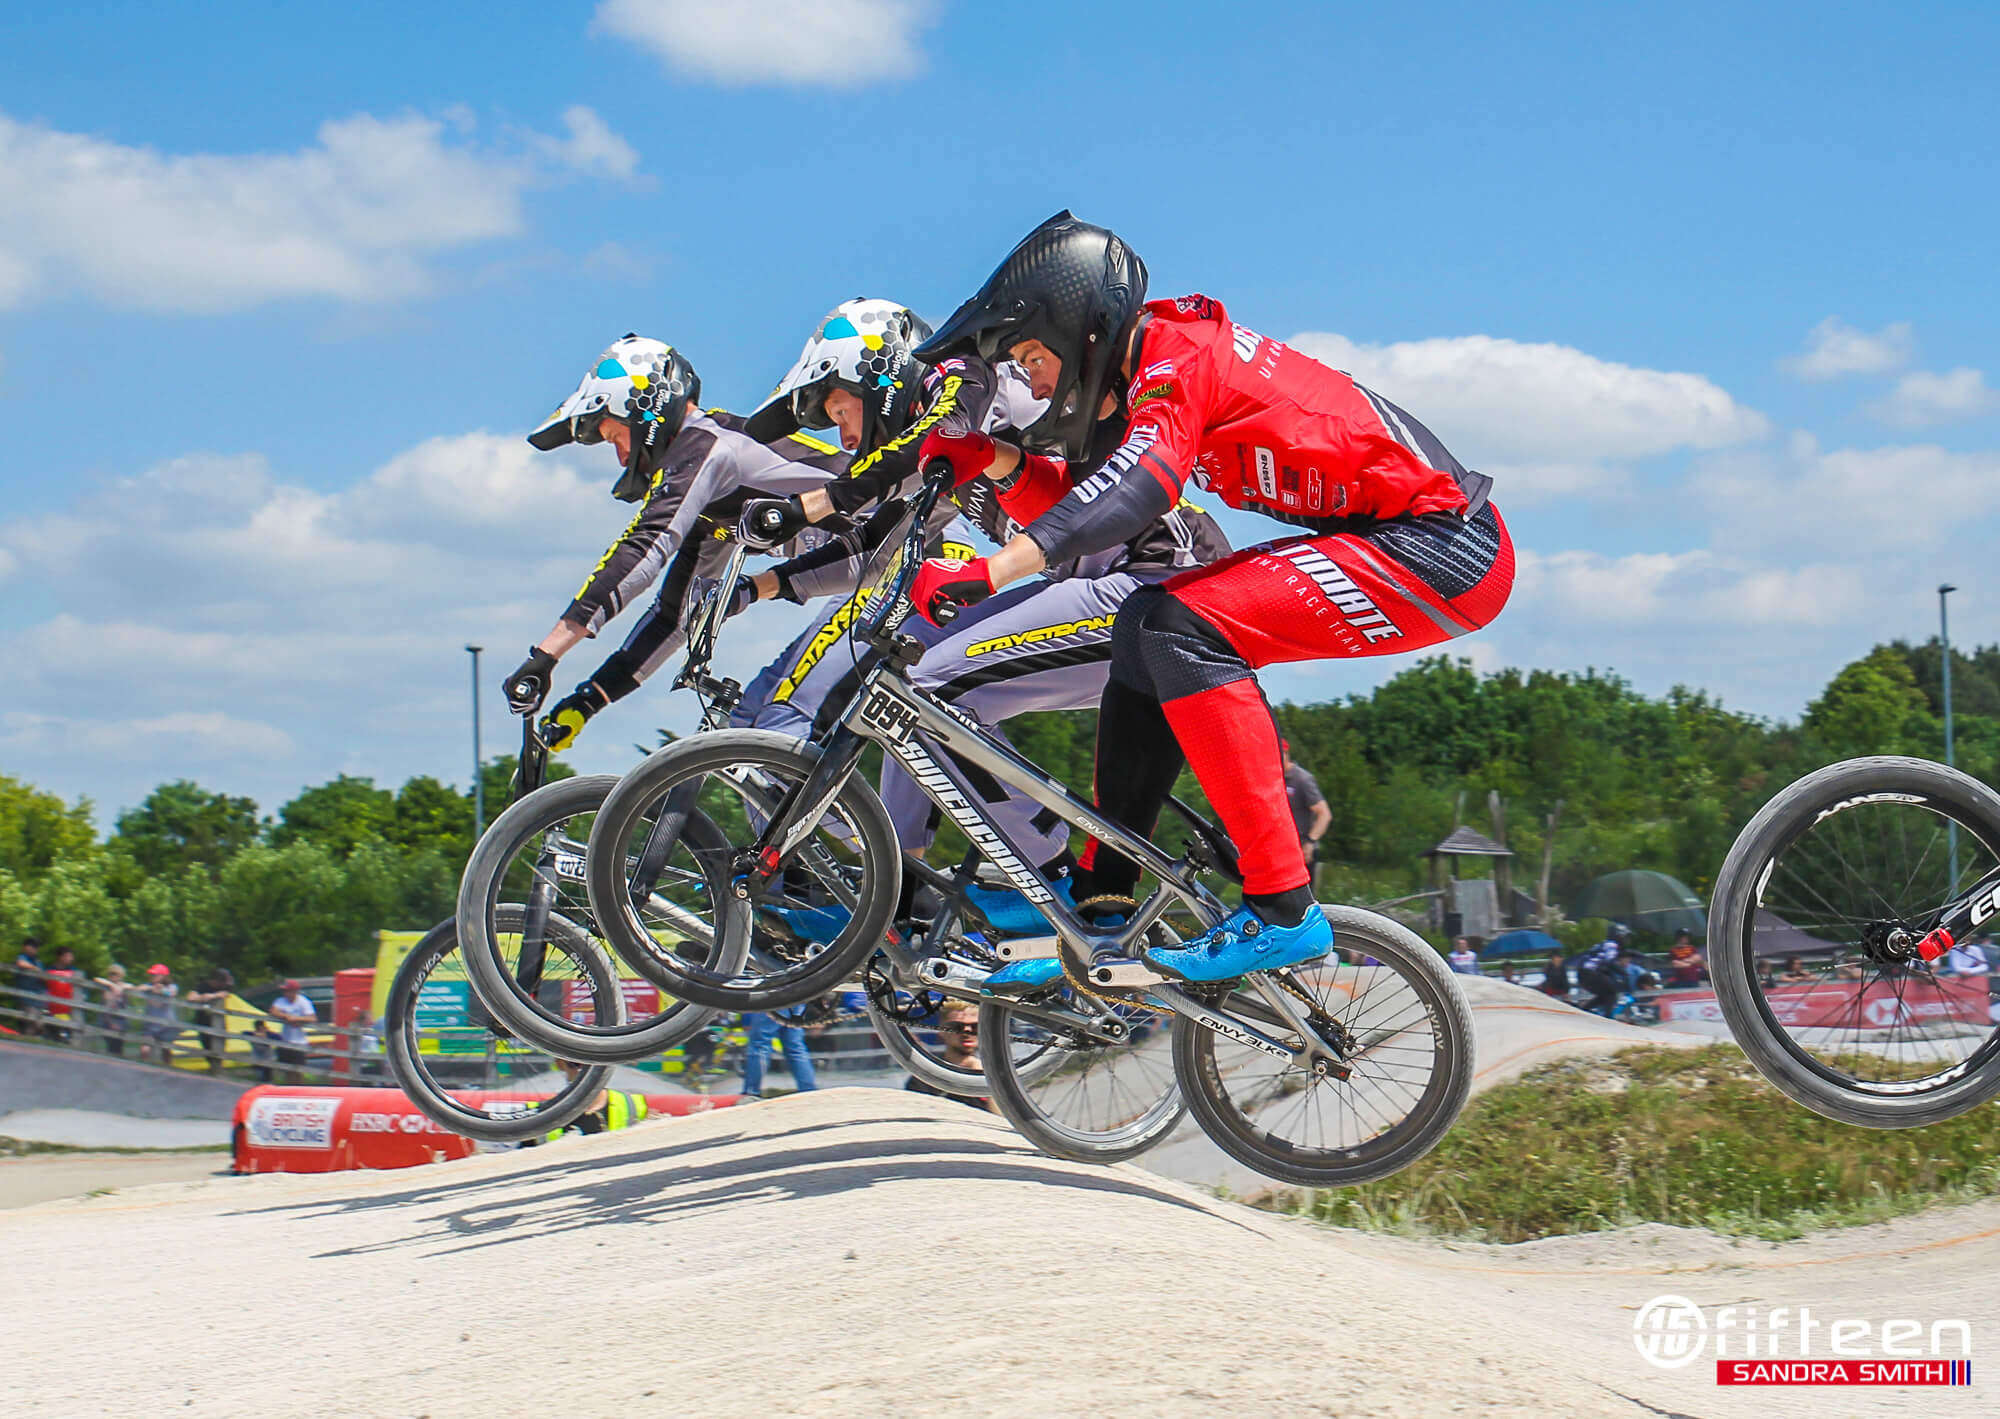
[(528, 685)]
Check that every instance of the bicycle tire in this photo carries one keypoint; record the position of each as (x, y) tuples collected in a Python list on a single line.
[(1416, 963), (695, 758), (620, 1041), (1770, 1047), (413, 1070), (1128, 1131)]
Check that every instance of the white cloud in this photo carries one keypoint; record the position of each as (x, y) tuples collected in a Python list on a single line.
[(1683, 588), (1834, 349), (1879, 500), (1922, 398), (353, 216), (205, 736), (591, 147), (838, 43), (1564, 416)]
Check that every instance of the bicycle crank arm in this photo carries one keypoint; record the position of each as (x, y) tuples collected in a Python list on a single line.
[(1123, 973), (1181, 1003), (943, 973), (1028, 948)]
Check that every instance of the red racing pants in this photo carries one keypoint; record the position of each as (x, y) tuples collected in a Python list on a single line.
[(1185, 656)]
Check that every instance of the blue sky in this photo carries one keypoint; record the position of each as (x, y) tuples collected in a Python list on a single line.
[(1707, 288)]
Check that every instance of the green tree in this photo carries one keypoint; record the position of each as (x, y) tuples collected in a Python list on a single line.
[(38, 830), (72, 908), (182, 823), (286, 911), (171, 918), (338, 816), (430, 816), (1872, 706)]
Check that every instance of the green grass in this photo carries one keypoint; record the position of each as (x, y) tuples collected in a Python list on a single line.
[(1691, 1138)]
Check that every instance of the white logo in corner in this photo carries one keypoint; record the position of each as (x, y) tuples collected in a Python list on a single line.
[(1670, 1331)]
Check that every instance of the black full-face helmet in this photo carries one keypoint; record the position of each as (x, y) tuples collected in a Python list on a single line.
[(1075, 288), (867, 347), (648, 384)]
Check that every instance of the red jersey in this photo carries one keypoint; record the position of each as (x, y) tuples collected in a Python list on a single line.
[(1259, 424)]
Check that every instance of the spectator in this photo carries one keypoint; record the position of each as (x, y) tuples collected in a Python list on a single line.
[(113, 992), (783, 1026), (294, 1013), (1507, 973), (698, 1054), (1310, 815), (1984, 941), (364, 1038), (1555, 976), (1464, 959), (958, 1032), (1964, 959), (161, 1008), (1685, 966), (28, 985), (60, 986), (1597, 971), (210, 1016), (262, 1037)]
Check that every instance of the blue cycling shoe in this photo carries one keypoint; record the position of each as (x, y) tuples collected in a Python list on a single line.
[(1243, 944), (821, 924), (1021, 977), (1007, 910)]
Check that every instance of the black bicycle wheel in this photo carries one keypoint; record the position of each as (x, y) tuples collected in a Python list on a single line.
[(1079, 1077), (804, 929), (1812, 937), (523, 887), (1396, 1015), (442, 1044)]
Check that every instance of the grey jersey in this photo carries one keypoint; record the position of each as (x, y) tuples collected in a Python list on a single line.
[(712, 465)]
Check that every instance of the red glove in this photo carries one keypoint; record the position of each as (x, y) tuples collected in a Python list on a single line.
[(945, 585), (968, 454)]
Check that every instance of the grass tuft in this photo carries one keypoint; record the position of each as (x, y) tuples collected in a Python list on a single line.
[(1689, 1138)]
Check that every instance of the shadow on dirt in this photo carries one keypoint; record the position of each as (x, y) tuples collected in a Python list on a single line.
[(635, 1187)]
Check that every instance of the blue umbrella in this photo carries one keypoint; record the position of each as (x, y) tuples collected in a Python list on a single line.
[(1523, 943)]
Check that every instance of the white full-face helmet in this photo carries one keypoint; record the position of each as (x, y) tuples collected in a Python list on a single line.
[(865, 347), (646, 383)]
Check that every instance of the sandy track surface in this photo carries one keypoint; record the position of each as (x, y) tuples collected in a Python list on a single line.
[(44, 1177), (863, 1252)]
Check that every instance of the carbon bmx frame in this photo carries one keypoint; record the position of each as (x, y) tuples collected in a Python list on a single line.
[(909, 724)]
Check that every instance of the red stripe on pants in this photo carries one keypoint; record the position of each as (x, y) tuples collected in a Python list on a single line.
[(1231, 743)]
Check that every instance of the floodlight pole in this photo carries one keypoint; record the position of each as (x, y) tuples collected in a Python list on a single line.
[(478, 779), (1944, 658)]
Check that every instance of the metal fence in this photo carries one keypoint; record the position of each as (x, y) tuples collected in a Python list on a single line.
[(246, 1046)]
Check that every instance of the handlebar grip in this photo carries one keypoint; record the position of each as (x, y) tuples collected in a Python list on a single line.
[(945, 613), (939, 470)]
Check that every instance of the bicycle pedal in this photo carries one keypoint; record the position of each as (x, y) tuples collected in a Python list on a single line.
[(1027, 948)]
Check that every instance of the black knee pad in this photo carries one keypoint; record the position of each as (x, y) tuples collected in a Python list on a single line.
[(1186, 654), (1128, 659)]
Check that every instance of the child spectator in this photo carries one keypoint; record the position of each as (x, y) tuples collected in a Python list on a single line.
[(113, 993), (161, 1008)]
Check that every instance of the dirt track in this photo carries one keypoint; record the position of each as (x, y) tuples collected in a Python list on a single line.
[(861, 1251)]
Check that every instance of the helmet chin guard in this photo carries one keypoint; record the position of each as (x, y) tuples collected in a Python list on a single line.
[(646, 383), (1075, 288)]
